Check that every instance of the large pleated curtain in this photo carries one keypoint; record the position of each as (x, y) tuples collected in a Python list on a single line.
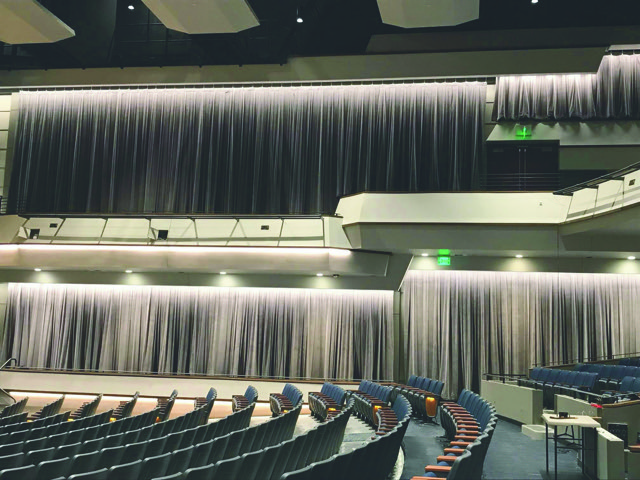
[(271, 150), (290, 333), (612, 93), (459, 325)]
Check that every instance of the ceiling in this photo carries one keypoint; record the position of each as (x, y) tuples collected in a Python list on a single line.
[(109, 34)]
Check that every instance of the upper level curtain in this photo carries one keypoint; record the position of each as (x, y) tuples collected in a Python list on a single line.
[(460, 325), (612, 93), (287, 333), (241, 150)]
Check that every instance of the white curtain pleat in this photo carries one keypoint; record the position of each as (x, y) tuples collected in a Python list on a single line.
[(242, 150), (289, 333), (611, 93), (460, 325)]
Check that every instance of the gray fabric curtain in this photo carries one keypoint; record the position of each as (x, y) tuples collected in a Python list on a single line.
[(459, 325), (273, 150), (291, 333), (612, 93)]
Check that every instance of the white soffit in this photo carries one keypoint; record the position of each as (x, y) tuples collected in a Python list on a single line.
[(26, 21), (204, 16), (428, 13)]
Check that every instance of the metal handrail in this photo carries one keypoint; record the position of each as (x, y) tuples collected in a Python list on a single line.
[(575, 361), (8, 362), (617, 175)]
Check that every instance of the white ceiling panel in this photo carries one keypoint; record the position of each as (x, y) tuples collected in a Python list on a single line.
[(428, 13), (26, 21), (204, 16)]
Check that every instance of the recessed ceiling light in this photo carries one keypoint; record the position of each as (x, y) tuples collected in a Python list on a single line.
[(425, 254), (319, 274), (299, 20), (631, 258), (128, 271), (131, 7), (37, 269), (223, 273), (519, 256), (534, 1)]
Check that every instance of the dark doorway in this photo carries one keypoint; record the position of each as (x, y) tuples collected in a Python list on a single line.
[(520, 166)]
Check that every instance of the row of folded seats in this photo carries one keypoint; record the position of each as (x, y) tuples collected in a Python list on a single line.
[(238, 402), (48, 410), (469, 423), (368, 399), (71, 449), (273, 462), (634, 362), (290, 398), (564, 382), (374, 460), (328, 402), (14, 408), (423, 394), (609, 376)]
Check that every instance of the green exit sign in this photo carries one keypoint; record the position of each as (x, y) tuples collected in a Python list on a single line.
[(444, 261), (523, 131)]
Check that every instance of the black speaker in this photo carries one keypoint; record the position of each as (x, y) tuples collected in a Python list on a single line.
[(163, 234), (34, 233)]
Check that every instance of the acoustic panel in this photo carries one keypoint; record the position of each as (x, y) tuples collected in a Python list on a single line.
[(26, 21), (428, 13), (204, 16)]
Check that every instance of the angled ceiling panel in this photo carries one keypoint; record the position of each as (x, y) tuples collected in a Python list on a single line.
[(26, 21), (428, 13), (204, 16)]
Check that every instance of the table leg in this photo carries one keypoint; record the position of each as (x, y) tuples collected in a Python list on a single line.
[(582, 443), (555, 451), (546, 444), (595, 455)]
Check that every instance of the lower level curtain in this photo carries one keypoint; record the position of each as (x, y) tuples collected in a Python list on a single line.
[(290, 333), (457, 326)]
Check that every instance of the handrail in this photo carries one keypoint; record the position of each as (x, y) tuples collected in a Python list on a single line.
[(617, 175), (8, 362), (608, 358), (504, 376)]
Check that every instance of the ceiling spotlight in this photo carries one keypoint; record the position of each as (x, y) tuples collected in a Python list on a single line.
[(37, 269), (534, 1), (223, 273), (319, 275), (425, 254), (128, 271), (631, 258), (299, 19), (519, 256), (131, 7)]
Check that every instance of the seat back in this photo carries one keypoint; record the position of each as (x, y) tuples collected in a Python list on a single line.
[(626, 384)]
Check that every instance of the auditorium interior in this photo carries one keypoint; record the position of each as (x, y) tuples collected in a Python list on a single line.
[(381, 239)]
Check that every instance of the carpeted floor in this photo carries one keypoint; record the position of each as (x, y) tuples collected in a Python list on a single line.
[(511, 455)]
